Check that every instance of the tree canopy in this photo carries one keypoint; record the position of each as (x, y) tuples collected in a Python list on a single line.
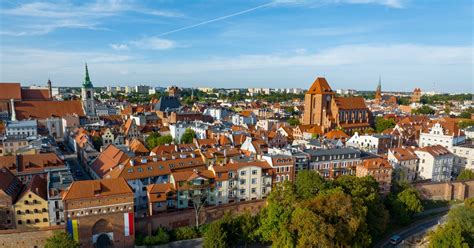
[(188, 136), (381, 124), (61, 239), (465, 174)]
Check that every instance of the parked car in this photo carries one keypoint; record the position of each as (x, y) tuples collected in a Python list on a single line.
[(395, 239)]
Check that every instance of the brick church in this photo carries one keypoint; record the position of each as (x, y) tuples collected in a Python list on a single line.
[(325, 109)]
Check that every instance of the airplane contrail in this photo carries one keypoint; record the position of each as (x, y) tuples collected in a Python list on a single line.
[(217, 19)]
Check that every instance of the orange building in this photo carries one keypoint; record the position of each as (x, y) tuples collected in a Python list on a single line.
[(324, 108), (378, 168), (99, 213)]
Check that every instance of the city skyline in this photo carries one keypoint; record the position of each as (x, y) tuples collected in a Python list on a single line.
[(276, 44)]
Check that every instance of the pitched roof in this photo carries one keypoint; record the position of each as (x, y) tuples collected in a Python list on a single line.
[(128, 125), (319, 86), (336, 134), (236, 166), (355, 102), (404, 153), (376, 163), (435, 151), (138, 147), (46, 109), (97, 188), (108, 159), (10, 184), (158, 192), (37, 185), (31, 162), (167, 102), (35, 94), (10, 91)]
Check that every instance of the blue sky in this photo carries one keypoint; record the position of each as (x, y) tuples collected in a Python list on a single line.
[(280, 43)]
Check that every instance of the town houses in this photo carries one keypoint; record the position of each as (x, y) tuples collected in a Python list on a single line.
[(102, 168)]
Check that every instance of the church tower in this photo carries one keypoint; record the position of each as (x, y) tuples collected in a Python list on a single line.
[(87, 93), (378, 92), (318, 103)]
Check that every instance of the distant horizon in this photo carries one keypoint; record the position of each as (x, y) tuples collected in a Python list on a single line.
[(258, 43)]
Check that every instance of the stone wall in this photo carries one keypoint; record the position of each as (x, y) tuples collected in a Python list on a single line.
[(446, 190), (147, 225), (27, 238)]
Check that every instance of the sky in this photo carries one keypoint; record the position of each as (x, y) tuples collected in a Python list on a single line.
[(240, 44)]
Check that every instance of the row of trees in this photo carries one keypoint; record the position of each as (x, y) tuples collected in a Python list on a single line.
[(314, 212), (155, 139), (458, 231)]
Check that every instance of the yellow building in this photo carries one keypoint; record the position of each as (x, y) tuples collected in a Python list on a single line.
[(31, 208)]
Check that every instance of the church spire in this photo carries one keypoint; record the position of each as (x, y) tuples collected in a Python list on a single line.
[(379, 86), (87, 81)]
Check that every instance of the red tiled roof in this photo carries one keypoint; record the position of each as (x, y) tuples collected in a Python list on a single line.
[(35, 94), (46, 109), (108, 159), (319, 86), (10, 91), (436, 150), (30, 162), (97, 188), (38, 186), (10, 184), (376, 163), (355, 102)]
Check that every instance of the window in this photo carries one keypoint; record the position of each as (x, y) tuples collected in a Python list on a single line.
[(254, 190), (28, 221), (18, 212), (242, 173), (254, 172), (219, 184), (254, 180), (20, 222), (242, 191), (242, 181), (45, 220), (26, 202)]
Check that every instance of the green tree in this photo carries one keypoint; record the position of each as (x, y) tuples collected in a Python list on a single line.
[(165, 139), (188, 136), (465, 174), (405, 204), (152, 140), (331, 219), (61, 239), (276, 216), (186, 232), (423, 110), (458, 231), (309, 183), (160, 237), (382, 124), (466, 114), (293, 121), (466, 123), (97, 142), (248, 224), (365, 192)]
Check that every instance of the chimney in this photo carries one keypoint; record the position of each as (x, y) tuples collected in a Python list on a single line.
[(13, 114), (50, 89), (37, 190)]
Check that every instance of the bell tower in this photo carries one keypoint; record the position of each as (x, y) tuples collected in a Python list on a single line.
[(87, 94)]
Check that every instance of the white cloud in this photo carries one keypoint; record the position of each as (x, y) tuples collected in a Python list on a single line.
[(402, 66), (153, 43), (120, 47), (40, 18)]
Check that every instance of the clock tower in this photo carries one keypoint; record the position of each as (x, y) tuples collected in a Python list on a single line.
[(87, 94)]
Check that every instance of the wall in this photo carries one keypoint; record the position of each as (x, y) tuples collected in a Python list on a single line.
[(27, 238), (446, 190), (147, 225)]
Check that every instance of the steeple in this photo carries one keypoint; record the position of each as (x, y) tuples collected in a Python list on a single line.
[(87, 81), (50, 89), (379, 86)]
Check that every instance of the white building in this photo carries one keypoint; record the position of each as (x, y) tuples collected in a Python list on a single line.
[(377, 143), (142, 89), (242, 181), (436, 163), (177, 130), (244, 118), (404, 162), (27, 128), (442, 133), (464, 157), (216, 113)]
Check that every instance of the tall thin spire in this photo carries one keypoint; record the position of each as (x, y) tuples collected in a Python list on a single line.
[(379, 86), (87, 80)]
